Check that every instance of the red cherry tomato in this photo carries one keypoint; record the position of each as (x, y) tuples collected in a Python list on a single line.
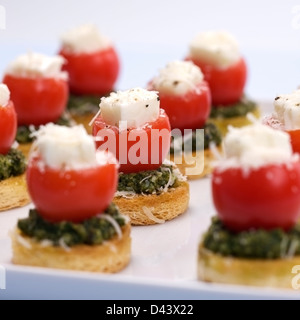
[(72, 195), (295, 139), (267, 198), (8, 127), (92, 73), (189, 111), (137, 149), (37, 100), (226, 85)]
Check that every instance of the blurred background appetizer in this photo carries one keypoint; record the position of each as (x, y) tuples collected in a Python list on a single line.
[(150, 190), (286, 117), (39, 90), (217, 54), (13, 189), (255, 238), (186, 98), (74, 224), (93, 66)]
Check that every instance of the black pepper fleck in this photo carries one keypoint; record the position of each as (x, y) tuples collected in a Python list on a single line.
[(175, 83), (277, 98), (147, 105), (158, 99)]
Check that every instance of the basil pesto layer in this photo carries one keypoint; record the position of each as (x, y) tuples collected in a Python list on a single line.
[(211, 134), (12, 164), (239, 109), (148, 182), (24, 132), (93, 231), (252, 244), (82, 105)]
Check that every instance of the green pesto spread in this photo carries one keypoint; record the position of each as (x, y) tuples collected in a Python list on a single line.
[(252, 244), (148, 182), (82, 105), (239, 109), (93, 231), (211, 134), (12, 164), (24, 133)]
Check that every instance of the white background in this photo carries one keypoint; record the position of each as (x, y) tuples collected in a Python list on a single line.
[(148, 34)]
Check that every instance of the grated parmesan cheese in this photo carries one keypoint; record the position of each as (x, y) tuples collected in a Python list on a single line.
[(178, 78), (113, 222), (218, 48), (23, 242), (32, 65), (149, 214), (255, 146)]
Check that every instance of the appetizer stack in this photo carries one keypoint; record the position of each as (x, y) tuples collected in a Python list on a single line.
[(150, 190), (255, 238), (93, 67), (13, 189), (217, 54), (39, 91), (74, 224), (186, 98)]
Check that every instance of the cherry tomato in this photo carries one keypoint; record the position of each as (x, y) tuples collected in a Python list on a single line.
[(189, 111), (137, 149), (37, 100), (267, 198), (226, 85), (295, 139), (8, 127), (72, 195), (92, 73)]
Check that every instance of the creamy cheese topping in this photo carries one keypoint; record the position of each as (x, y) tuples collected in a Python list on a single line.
[(255, 146), (133, 108), (218, 48), (33, 65), (4, 95), (287, 110), (84, 39), (177, 78), (68, 148)]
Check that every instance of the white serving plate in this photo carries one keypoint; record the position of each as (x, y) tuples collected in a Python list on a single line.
[(163, 264)]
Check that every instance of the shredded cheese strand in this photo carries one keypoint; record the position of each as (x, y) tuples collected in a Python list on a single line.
[(149, 214), (113, 222)]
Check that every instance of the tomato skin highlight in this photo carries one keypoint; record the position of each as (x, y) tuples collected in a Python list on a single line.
[(37, 100), (162, 124), (8, 127), (267, 198), (189, 111), (92, 73), (226, 85), (72, 195)]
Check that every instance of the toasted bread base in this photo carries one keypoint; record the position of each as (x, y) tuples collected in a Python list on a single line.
[(196, 165), (166, 206), (251, 272), (84, 120), (13, 193), (110, 257), (237, 122), (25, 148)]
